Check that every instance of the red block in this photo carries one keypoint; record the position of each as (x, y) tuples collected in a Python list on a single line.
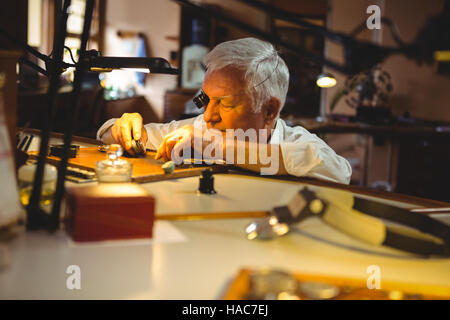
[(109, 211)]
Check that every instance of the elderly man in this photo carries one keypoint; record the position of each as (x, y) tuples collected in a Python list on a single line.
[(244, 90)]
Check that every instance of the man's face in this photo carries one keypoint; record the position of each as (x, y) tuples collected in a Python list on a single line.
[(229, 106)]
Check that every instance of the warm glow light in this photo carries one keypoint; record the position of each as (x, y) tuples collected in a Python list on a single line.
[(326, 81), (396, 295), (144, 70), (251, 228), (273, 220), (442, 55), (252, 235), (95, 69), (281, 229)]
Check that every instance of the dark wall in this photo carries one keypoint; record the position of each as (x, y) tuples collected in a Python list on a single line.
[(14, 20)]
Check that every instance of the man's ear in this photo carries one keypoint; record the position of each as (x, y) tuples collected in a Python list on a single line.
[(271, 109)]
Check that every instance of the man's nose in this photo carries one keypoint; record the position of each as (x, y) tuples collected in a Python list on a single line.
[(211, 113)]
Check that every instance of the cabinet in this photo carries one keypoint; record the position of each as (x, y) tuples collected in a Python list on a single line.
[(8, 61), (424, 167), (175, 103)]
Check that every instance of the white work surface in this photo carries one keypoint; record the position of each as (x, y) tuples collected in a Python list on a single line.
[(198, 259)]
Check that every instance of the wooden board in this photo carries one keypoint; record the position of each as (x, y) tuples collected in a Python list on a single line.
[(350, 289), (145, 169)]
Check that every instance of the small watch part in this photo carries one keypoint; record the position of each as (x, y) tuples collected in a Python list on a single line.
[(269, 284), (102, 147), (168, 166), (137, 146)]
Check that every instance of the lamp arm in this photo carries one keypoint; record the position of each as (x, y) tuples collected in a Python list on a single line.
[(33, 66), (24, 46), (36, 217), (50, 64)]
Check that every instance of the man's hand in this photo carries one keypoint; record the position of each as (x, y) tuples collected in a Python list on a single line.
[(181, 138), (214, 144), (126, 128), (187, 138)]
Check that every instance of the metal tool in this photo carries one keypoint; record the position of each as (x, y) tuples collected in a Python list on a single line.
[(272, 284), (277, 223), (359, 218), (137, 147)]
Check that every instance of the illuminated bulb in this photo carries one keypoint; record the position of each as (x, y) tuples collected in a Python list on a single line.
[(326, 80)]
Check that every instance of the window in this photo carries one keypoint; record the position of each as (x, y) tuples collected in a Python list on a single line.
[(44, 15), (75, 22)]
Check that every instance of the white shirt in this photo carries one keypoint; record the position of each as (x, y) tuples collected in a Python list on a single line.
[(304, 154)]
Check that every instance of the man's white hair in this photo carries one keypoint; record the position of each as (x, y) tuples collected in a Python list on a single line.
[(266, 74)]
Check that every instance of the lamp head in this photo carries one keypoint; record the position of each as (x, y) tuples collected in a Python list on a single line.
[(98, 63)]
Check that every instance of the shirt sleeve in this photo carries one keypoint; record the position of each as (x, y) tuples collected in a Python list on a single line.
[(108, 124), (305, 154)]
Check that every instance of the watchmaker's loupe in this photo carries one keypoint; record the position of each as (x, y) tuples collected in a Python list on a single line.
[(201, 100)]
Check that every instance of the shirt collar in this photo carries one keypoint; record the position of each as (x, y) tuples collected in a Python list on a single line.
[(277, 135)]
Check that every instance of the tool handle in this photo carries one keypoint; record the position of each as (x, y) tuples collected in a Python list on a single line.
[(356, 224)]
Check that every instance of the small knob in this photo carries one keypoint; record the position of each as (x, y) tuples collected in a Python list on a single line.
[(206, 182)]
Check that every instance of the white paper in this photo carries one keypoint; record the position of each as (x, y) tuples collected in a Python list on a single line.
[(10, 207)]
